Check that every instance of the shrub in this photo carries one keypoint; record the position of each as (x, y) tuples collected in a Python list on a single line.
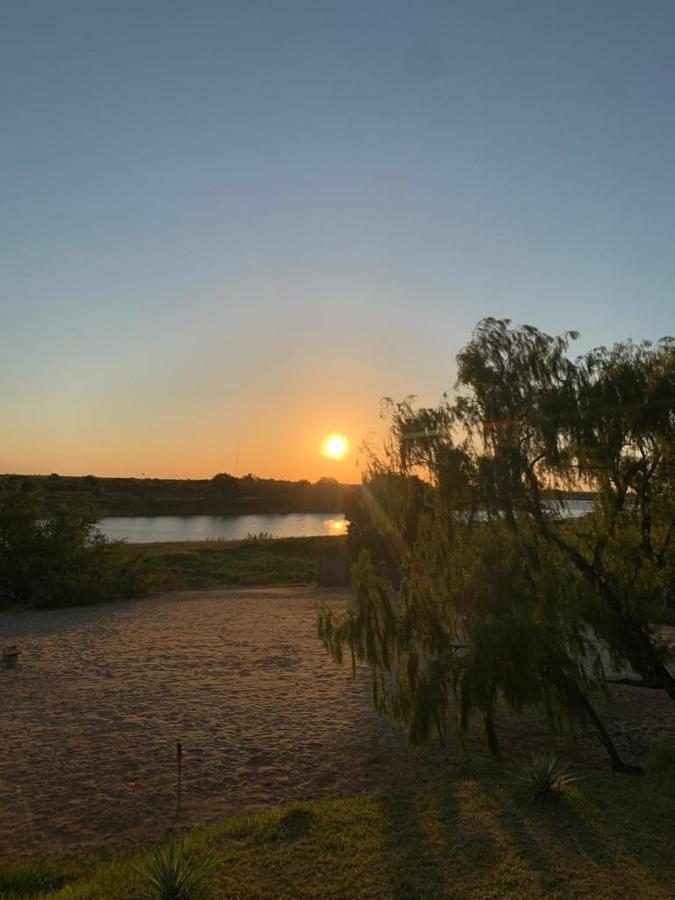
[(174, 873), (545, 777), (58, 557)]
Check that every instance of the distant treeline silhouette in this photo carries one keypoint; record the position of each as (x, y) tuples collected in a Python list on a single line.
[(221, 495)]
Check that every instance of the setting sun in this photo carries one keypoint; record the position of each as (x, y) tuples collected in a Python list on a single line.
[(335, 446)]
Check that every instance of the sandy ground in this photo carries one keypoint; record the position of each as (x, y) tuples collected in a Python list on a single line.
[(90, 719)]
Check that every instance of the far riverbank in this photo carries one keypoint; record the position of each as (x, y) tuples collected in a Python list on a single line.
[(222, 495)]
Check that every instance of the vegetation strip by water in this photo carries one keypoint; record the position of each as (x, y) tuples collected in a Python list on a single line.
[(257, 561)]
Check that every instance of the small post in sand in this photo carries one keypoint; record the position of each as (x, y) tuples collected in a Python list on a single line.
[(179, 764)]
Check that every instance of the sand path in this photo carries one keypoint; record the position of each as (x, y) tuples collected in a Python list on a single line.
[(90, 720)]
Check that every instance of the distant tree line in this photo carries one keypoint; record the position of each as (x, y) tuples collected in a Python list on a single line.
[(223, 494)]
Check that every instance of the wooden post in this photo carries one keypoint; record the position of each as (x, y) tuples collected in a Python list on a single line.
[(179, 766)]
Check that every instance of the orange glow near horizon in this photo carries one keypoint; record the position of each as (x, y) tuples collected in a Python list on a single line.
[(173, 431)]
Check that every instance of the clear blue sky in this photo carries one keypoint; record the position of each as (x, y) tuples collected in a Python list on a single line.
[(228, 228)]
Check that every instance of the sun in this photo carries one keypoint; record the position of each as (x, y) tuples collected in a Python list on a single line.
[(335, 446)]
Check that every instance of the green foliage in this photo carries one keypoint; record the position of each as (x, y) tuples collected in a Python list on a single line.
[(479, 617), (58, 557), (30, 878), (604, 421), (176, 873), (102, 571), (501, 599), (661, 756), (196, 564), (544, 777), (383, 517)]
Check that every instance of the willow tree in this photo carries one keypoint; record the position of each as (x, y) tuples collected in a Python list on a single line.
[(604, 422), (501, 598)]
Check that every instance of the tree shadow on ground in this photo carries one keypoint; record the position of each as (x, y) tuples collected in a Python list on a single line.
[(412, 855), (485, 836), (560, 842)]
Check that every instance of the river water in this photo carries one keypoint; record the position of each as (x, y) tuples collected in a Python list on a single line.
[(154, 529)]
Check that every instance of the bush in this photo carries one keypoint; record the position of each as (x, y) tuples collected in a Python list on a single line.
[(545, 777), (58, 557)]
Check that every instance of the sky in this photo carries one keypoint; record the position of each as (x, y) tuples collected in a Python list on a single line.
[(228, 229)]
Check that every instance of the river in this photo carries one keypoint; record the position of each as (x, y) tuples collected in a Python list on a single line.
[(155, 529)]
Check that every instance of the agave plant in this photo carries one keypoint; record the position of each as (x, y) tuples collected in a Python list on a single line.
[(545, 777), (174, 873)]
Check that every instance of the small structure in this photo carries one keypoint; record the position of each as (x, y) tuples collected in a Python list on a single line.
[(10, 657)]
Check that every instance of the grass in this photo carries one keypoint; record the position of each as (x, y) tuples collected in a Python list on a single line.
[(200, 564), (468, 837), (25, 878), (661, 757)]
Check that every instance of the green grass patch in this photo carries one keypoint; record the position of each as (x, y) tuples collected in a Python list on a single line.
[(200, 564), (470, 837), (31, 877), (661, 757)]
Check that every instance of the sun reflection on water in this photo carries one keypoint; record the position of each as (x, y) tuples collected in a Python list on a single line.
[(335, 526)]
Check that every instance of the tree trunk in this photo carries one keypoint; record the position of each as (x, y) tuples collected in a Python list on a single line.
[(491, 734), (628, 636), (624, 632), (618, 765)]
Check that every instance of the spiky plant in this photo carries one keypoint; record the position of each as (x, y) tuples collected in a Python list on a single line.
[(545, 777), (175, 873)]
